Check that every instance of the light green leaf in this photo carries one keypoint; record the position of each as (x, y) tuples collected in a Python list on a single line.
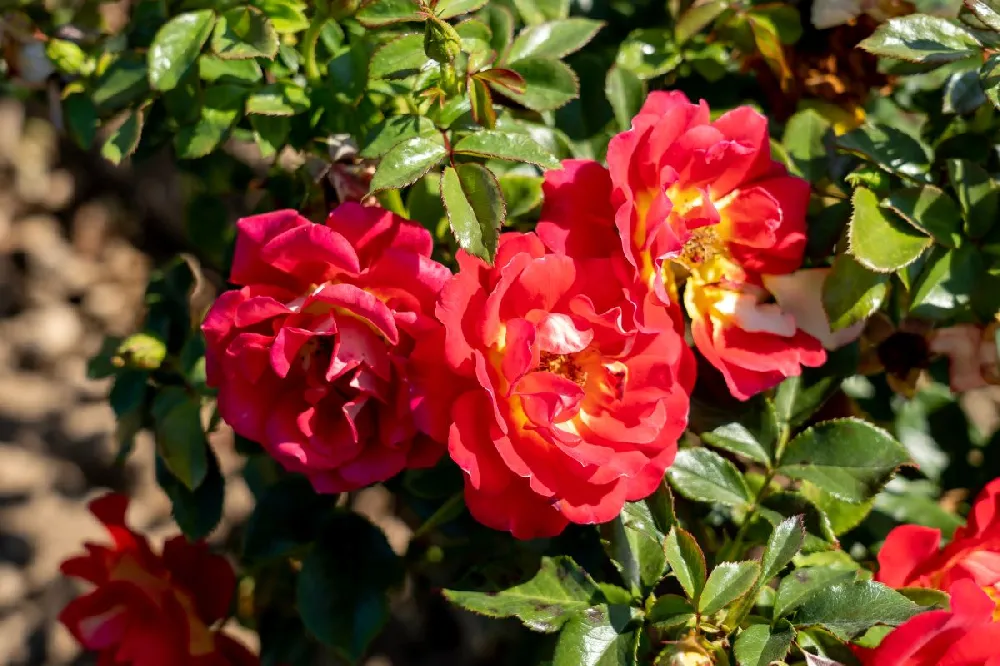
[(626, 93), (753, 436), (989, 76), (890, 149), (393, 130), (278, 99), (649, 53), (986, 11), (176, 46), (540, 11), (377, 13), (216, 70), (549, 84), (506, 146), (798, 398), (930, 210), (523, 194), (687, 561), (804, 143), (555, 39), (728, 582), (705, 476), (402, 57), (922, 38), (878, 239), (481, 101), (220, 110), (800, 584), (475, 207), (244, 32), (697, 18), (760, 645), (945, 285), (843, 516), (849, 609), (407, 161), (558, 591), (978, 194), (125, 139), (851, 292), (68, 57), (500, 20), (446, 9), (287, 16), (848, 458), (785, 542)]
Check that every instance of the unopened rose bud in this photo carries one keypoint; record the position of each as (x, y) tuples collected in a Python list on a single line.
[(441, 41)]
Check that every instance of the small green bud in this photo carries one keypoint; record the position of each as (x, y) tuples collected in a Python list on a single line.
[(871, 177), (441, 41), (142, 350)]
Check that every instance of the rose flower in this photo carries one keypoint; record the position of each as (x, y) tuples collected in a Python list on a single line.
[(311, 355), (565, 409), (150, 609)]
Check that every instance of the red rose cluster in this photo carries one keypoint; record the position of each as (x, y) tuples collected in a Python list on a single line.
[(150, 609), (558, 378), (968, 569)]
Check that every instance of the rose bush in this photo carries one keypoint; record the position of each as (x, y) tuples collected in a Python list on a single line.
[(150, 609)]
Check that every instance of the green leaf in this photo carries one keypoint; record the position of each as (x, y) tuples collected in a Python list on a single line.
[(287, 16), (548, 84), (851, 292), (348, 73), (819, 532), (125, 139), (342, 587), (402, 57), (978, 194), (555, 39), (697, 18), (284, 520), (506, 146), (785, 542), (180, 436), (927, 597), (377, 13), (68, 57), (878, 239), (244, 32), (481, 101), (843, 516), (848, 458), (195, 512), (392, 131), (500, 21), (475, 207), (446, 9), (599, 636), (945, 285), (523, 194), (220, 110), (686, 560), (798, 398), (849, 609), (924, 39), (626, 93), (931, 211), (670, 611), (505, 78), (989, 77), (890, 149), (123, 82), (270, 133), (278, 99), (728, 582), (81, 118), (649, 53), (634, 543), (759, 644), (769, 45), (963, 93), (558, 591), (540, 11), (176, 47), (804, 142), (753, 436), (407, 161), (986, 11), (801, 584), (705, 476), (216, 70)]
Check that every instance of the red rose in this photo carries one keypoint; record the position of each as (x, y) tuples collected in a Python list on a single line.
[(149, 609), (910, 556), (967, 635), (565, 409), (702, 203), (311, 356)]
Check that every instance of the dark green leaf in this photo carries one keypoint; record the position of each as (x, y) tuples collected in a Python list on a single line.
[(180, 436), (728, 582), (626, 93), (285, 519), (785, 542), (216, 70), (402, 57), (878, 239), (195, 512), (697, 18), (375, 13), (890, 149), (348, 73), (848, 458), (634, 543), (978, 195), (799, 585), (930, 210), (548, 84), (270, 133), (686, 560), (125, 139), (599, 636), (500, 21), (922, 38), (176, 47), (244, 32), (670, 611), (392, 131), (819, 532), (129, 391), (424, 205), (804, 142), (342, 587), (989, 76), (849, 609), (506, 146), (759, 644), (705, 476), (446, 9), (946, 283), (407, 161), (81, 118), (851, 292), (475, 207), (123, 82), (963, 93), (649, 53), (220, 110), (558, 591), (278, 99), (753, 436), (523, 194), (555, 39)]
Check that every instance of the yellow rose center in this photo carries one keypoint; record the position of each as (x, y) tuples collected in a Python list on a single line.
[(563, 365)]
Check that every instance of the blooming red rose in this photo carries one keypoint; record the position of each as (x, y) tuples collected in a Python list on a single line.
[(910, 556), (311, 356), (565, 409), (150, 609), (702, 203)]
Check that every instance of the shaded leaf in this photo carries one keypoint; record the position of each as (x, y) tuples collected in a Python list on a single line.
[(851, 292), (244, 32), (753, 436), (221, 107), (278, 99), (978, 195), (540, 11), (687, 561), (522, 194), (931, 211), (446, 9), (176, 47), (287, 16), (481, 101), (270, 133), (634, 543), (626, 93), (946, 284), (284, 520), (402, 57), (649, 53), (216, 70), (196, 512), (804, 142), (890, 149), (600, 636), (123, 82), (125, 139), (963, 93), (407, 161), (697, 18), (843, 516), (670, 611), (475, 206)]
